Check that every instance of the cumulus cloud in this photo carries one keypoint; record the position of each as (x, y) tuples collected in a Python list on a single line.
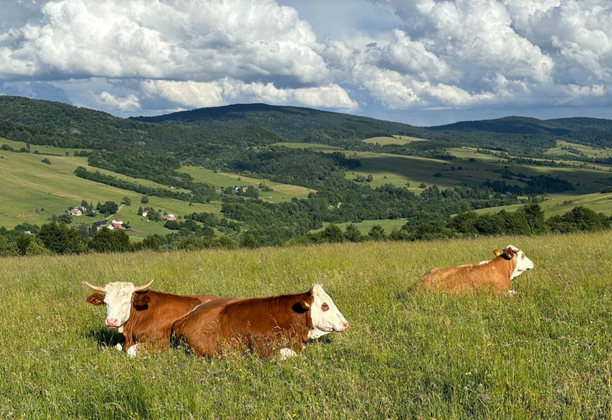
[(128, 103), (128, 56), (201, 94)]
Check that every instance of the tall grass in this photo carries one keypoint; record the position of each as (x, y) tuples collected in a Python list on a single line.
[(545, 353)]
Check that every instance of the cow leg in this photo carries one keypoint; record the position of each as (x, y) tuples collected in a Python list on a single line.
[(286, 353), (132, 351), (119, 347)]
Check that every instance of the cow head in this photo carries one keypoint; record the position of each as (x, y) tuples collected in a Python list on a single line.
[(117, 299), (513, 253), (324, 314)]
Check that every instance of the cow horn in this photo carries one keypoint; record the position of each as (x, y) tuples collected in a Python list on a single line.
[(142, 288), (96, 288)]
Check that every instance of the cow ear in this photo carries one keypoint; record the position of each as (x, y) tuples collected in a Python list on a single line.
[(303, 305), (497, 252), (95, 299), (510, 253), (141, 300)]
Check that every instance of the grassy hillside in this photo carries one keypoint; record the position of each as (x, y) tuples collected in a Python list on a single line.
[(29, 184), (544, 353), (397, 170)]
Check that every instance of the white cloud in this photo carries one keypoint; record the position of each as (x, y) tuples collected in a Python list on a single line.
[(128, 103), (222, 92)]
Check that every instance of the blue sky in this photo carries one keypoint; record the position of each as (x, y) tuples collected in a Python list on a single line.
[(423, 62)]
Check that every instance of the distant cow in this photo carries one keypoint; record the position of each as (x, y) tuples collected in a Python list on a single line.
[(495, 275), (264, 325), (143, 315)]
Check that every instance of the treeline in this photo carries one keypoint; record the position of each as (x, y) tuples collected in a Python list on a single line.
[(273, 223), (529, 220), (536, 185), (59, 238)]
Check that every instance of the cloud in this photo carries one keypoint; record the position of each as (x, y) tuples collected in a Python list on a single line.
[(201, 94), (128, 103), (127, 56)]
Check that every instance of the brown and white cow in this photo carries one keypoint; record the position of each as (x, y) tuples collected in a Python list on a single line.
[(495, 275), (265, 325), (143, 315)]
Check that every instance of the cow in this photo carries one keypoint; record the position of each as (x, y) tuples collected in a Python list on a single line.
[(142, 315), (267, 326), (495, 275)]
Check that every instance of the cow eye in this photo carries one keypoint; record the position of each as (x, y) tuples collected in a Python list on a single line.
[(325, 307)]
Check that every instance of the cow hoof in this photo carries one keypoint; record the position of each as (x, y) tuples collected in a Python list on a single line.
[(119, 347), (511, 292), (132, 351), (287, 353)]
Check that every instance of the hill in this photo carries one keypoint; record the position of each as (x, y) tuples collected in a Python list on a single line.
[(544, 353)]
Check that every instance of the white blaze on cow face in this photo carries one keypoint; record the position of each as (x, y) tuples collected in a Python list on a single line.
[(324, 314), (118, 302), (522, 262)]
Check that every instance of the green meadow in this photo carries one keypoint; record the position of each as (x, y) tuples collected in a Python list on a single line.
[(543, 353), (366, 225), (29, 185), (587, 150), (383, 141), (280, 193)]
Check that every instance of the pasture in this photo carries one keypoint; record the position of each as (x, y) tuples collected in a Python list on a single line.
[(29, 184), (544, 353), (280, 193)]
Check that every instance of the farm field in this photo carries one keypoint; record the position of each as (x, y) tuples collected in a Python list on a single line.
[(557, 204), (397, 170), (544, 353), (29, 184), (392, 140), (282, 192), (587, 150)]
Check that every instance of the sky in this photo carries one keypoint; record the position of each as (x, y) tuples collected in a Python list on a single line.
[(422, 62)]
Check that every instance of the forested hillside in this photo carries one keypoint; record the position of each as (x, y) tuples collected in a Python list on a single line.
[(323, 153)]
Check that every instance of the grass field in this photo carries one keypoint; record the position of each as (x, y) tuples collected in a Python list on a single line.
[(544, 353), (398, 170), (28, 184), (282, 192), (557, 204), (587, 150), (383, 141)]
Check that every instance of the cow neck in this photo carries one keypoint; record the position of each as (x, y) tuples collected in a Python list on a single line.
[(507, 266), (281, 303)]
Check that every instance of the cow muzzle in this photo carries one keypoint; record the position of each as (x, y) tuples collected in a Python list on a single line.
[(344, 326), (112, 322)]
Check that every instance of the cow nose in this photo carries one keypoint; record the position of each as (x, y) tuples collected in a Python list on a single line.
[(344, 325), (112, 322)]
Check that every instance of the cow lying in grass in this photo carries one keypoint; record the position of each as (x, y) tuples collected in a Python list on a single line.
[(495, 275), (142, 315), (267, 326)]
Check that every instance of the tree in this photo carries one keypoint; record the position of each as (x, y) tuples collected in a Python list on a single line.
[(139, 213), (7, 248), (144, 199), (110, 207), (332, 233), (535, 218), (61, 239), (127, 201), (248, 241), (352, 233), (106, 240), (377, 233)]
